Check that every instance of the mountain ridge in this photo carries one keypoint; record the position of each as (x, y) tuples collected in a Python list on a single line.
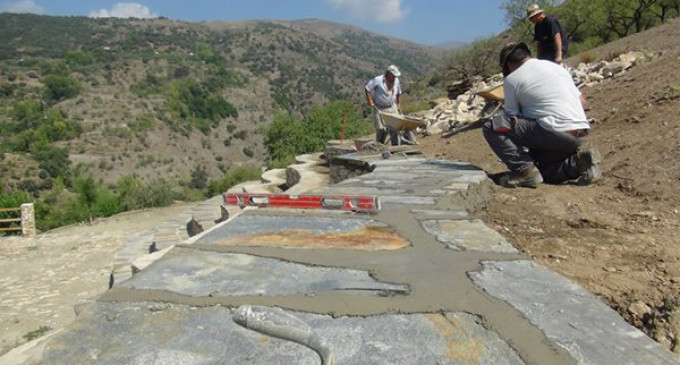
[(139, 78)]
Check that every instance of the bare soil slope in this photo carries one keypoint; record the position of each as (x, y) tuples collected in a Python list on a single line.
[(618, 239)]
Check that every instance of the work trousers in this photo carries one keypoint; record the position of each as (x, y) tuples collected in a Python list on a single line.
[(527, 144), (381, 131)]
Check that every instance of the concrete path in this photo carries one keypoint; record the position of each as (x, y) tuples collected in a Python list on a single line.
[(421, 282)]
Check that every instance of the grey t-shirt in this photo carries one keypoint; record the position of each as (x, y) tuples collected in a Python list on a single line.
[(544, 91), (382, 97)]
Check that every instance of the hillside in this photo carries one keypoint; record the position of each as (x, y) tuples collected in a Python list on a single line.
[(618, 238), (158, 98)]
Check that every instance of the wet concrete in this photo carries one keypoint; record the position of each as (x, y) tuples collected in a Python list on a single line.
[(436, 276), (186, 335), (427, 309)]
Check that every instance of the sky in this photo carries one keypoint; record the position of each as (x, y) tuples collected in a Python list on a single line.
[(429, 22)]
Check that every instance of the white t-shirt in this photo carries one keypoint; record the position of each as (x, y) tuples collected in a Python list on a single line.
[(383, 98), (544, 91)]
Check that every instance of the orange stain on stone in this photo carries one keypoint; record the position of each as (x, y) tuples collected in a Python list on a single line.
[(369, 238), (462, 347)]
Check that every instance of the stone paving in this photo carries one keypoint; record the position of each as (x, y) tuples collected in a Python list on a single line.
[(420, 282)]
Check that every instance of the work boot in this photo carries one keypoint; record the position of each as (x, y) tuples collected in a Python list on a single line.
[(588, 162), (530, 178)]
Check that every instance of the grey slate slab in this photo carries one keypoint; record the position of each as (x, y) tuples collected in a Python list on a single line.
[(306, 232), (250, 225), (200, 273), (470, 235), (591, 332), (408, 200), (441, 214), (143, 333)]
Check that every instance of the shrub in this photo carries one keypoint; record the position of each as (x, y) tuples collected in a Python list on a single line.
[(131, 193), (191, 102), (79, 58), (160, 193), (106, 203), (241, 135), (288, 136), (59, 88), (87, 192), (134, 194), (199, 178), (52, 159), (234, 176)]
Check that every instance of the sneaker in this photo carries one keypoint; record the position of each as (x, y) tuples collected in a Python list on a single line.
[(588, 162), (530, 178)]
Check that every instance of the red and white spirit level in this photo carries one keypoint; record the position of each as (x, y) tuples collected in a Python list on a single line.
[(363, 204)]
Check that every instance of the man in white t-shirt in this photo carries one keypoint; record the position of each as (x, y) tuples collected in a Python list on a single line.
[(544, 124), (382, 93)]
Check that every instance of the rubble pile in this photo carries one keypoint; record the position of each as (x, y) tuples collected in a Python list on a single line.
[(592, 73), (468, 107)]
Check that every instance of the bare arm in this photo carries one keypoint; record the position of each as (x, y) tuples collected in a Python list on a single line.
[(558, 47), (369, 98), (584, 102)]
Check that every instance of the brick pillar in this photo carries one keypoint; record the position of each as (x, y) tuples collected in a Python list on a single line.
[(27, 220)]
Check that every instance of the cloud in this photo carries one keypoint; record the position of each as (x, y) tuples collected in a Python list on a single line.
[(125, 10), (383, 11), (24, 6)]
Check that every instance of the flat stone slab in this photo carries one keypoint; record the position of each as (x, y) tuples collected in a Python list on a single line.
[(363, 190), (434, 182), (442, 214), (408, 200), (469, 235), (145, 333), (306, 232), (574, 319), (199, 273)]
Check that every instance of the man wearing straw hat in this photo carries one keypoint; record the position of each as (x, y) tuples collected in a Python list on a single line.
[(551, 42), (382, 93)]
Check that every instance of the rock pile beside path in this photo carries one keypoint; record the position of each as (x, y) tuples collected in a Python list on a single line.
[(468, 107), (589, 74)]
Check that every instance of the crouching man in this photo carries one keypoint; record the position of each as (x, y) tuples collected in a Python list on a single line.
[(544, 124)]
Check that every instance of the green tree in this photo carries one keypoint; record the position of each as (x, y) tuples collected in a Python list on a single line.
[(234, 176), (131, 192), (87, 192), (51, 159), (58, 88), (199, 178), (479, 58), (159, 193), (288, 136), (516, 10), (192, 102)]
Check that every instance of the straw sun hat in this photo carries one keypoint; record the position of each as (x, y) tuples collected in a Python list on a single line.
[(533, 10)]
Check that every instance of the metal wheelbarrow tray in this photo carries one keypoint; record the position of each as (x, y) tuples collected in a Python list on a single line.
[(401, 122)]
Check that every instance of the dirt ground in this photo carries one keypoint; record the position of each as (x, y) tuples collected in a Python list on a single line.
[(42, 278), (619, 238)]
